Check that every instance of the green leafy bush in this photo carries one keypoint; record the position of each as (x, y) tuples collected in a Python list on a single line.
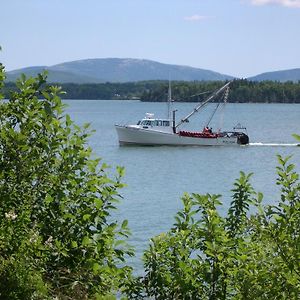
[(240, 256), (57, 236)]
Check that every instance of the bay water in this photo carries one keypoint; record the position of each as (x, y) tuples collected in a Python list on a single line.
[(157, 177)]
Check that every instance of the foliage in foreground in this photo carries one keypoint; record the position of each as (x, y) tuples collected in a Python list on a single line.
[(239, 256), (58, 240), (57, 235)]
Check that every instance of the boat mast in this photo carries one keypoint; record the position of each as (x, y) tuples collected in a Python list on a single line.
[(169, 100), (202, 104)]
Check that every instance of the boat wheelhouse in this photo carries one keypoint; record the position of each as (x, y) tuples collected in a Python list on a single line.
[(149, 122)]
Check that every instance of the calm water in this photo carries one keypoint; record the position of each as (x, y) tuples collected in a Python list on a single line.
[(157, 177)]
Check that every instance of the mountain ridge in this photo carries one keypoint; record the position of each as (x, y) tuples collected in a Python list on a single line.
[(281, 75), (101, 70)]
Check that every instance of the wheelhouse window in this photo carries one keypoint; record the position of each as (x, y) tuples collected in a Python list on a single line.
[(146, 123), (157, 123), (154, 123)]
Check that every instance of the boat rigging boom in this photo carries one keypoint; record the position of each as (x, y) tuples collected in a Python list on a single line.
[(202, 104)]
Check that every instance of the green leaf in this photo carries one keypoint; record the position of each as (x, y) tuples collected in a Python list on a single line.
[(86, 217), (74, 244), (290, 168), (86, 241), (296, 136), (124, 224), (96, 267), (48, 199)]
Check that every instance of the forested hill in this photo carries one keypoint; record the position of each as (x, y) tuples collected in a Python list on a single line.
[(284, 75), (100, 70), (241, 91), (183, 91)]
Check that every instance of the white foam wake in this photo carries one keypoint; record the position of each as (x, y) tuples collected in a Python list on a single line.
[(274, 144)]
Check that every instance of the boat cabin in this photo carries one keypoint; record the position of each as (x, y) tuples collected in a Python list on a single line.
[(152, 123)]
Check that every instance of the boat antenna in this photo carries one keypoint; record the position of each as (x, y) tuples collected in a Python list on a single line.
[(169, 100), (202, 104)]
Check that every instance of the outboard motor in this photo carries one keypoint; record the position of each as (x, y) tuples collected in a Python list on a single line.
[(243, 139)]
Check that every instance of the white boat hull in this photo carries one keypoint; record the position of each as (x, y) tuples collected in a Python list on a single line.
[(138, 136)]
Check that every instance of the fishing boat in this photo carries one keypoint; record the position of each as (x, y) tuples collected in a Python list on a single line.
[(165, 131)]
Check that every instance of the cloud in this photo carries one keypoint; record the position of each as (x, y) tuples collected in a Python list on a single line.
[(286, 3), (196, 18)]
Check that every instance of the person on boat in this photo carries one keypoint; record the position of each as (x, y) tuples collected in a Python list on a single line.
[(207, 129)]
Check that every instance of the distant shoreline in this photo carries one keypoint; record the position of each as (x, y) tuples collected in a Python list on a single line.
[(127, 100), (182, 91)]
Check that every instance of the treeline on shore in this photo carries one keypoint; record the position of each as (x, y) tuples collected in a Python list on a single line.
[(242, 91)]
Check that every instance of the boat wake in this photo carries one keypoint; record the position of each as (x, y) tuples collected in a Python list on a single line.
[(259, 144)]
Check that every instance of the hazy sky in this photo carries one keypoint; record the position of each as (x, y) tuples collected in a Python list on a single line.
[(235, 37)]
